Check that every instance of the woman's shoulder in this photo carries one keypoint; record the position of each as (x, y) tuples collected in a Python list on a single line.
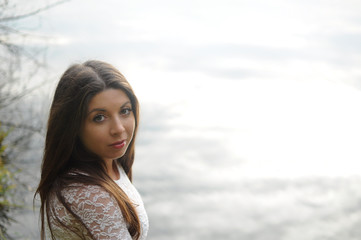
[(87, 208)]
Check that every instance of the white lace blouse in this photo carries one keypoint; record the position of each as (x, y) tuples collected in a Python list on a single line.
[(98, 211)]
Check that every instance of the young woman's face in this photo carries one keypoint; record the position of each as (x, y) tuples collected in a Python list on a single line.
[(109, 124)]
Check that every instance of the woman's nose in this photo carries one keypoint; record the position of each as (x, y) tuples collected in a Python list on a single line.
[(117, 127)]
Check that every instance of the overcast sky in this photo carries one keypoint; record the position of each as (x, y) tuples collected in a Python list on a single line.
[(275, 83)]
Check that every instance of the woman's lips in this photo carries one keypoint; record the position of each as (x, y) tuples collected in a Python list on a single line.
[(118, 145)]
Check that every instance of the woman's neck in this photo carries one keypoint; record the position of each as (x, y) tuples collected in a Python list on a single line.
[(112, 169)]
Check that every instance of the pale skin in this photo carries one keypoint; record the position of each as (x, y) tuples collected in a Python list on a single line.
[(108, 127)]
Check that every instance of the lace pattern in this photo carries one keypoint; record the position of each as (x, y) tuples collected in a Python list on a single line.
[(133, 194), (100, 215)]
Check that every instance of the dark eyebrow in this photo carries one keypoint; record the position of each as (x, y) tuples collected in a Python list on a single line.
[(126, 103), (96, 110), (103, 110)]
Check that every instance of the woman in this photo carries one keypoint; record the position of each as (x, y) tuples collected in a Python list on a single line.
[(85, 187)]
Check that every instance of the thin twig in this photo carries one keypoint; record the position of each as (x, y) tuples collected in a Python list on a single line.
[(22, 126), (17, 17)]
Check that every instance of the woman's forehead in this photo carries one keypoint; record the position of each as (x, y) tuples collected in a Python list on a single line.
[(109, 97)]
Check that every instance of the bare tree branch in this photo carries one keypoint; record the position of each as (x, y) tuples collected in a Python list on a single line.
[(32, 13), (22, 126)]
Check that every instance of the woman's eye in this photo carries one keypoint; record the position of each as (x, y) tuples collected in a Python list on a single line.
[(99, 118), (126, 111)]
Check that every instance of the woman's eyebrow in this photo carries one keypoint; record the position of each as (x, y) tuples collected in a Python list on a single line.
[(97, 110), (103, 109), (128, 102)]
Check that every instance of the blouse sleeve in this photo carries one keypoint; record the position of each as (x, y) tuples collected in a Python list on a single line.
[(98, 211)]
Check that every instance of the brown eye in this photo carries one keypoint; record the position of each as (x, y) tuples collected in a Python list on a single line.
[(126, 111), (99, 118)]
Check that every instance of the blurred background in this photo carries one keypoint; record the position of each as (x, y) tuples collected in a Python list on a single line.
[(250, 110)]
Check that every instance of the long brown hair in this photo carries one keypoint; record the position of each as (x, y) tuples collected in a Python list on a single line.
[(64, 151)]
